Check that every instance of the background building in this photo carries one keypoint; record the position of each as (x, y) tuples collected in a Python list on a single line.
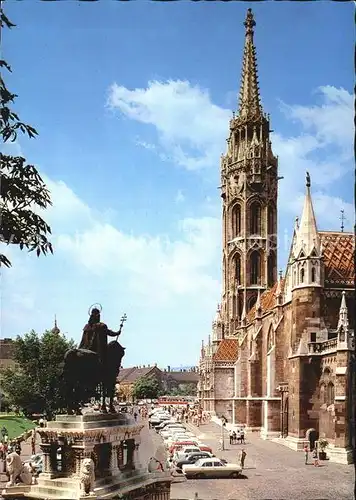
[(281, 356), (7, 353), (170, 380)]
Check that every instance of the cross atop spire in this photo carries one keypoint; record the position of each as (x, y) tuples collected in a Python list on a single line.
[(55, 329), (307, 232), (249, 100)]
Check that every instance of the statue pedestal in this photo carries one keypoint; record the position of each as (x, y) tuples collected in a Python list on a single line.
[(111, 442)]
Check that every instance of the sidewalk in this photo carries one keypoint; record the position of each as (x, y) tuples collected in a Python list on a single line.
[(263, 455), (211, 434)]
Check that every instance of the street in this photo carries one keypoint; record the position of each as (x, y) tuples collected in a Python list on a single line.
[(272, 471)]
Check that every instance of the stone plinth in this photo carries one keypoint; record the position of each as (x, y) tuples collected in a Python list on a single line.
[(111, 441)]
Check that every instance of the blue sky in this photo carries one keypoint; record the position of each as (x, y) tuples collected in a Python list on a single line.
[(132, 102)]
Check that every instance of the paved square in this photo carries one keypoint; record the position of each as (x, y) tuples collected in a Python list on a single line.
[(273, 471)]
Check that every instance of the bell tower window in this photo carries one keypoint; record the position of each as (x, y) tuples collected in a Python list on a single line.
[(255, 218), (270, 220), (302, 272), (271, 265), (236, 221), (313, 275), (255, 262), (238, 269)]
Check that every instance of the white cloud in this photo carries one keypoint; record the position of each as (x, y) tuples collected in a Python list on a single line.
[(332, 121), (191, 129), (173, 278), (180, 198)]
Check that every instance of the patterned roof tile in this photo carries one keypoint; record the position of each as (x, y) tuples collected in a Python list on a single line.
[(338, 253), (268, 301), (227, 350)]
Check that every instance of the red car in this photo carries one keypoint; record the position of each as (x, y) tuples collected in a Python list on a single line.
[(205, 448), (178, 445)]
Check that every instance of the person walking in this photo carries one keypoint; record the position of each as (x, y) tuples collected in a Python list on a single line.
[(243, 458), (315, 457), (238, 436), (306, 454), (242, 436), (231, 437)]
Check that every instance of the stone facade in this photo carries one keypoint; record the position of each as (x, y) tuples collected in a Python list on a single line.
[(281, 357)]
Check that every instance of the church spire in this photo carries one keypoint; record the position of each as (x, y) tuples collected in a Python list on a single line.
[(249, 100), (307, 234), (343, 314)]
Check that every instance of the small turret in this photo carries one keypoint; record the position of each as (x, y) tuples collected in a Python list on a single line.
[(344, 335), (306, 258), (55, 329)]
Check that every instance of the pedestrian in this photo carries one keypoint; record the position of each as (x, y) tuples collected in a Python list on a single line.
[(315, 457), (231, 437), (242, 436), (238, 436), (135, 416), (17, 447), (242, 458), (306, 454)]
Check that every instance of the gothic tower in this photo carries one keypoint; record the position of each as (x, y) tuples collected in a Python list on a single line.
[(249, 184)]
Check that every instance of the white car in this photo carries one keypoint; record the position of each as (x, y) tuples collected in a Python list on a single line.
[(212, 468), (170, 430), (186, 450)]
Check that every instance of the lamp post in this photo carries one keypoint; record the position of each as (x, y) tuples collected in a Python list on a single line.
[(223, 420)]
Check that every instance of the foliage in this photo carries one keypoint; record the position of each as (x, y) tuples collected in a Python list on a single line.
[(15, 425), (147, 388), (22, 189), (35, 384), (184, 390), (323, 443)]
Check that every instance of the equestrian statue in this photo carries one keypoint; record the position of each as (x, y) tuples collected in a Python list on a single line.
[(93, 367)]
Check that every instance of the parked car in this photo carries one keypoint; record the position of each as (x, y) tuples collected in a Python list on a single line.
[(166, 423), (211, 468), (192, 458), (178, 445), (186, 450), (204, 447)]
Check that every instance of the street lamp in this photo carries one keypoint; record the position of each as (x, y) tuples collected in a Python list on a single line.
[(223, 420)]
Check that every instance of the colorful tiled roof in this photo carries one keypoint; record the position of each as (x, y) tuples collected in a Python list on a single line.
[(227, 350), (268, 301), (338, 253)]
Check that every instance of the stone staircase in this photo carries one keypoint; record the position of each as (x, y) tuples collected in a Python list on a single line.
[(110, 486)]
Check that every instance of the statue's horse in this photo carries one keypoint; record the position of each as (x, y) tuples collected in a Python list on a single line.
[(84, 374)]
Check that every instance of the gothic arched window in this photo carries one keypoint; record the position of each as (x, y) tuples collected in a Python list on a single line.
[(313, 275), (322, 394), (302, 272), (251, 302), (271, 265), (270, 220), (255, 267), (330, 396), (238, 268), (236, 220), (224, 226), (255, 218), (270, 339)]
